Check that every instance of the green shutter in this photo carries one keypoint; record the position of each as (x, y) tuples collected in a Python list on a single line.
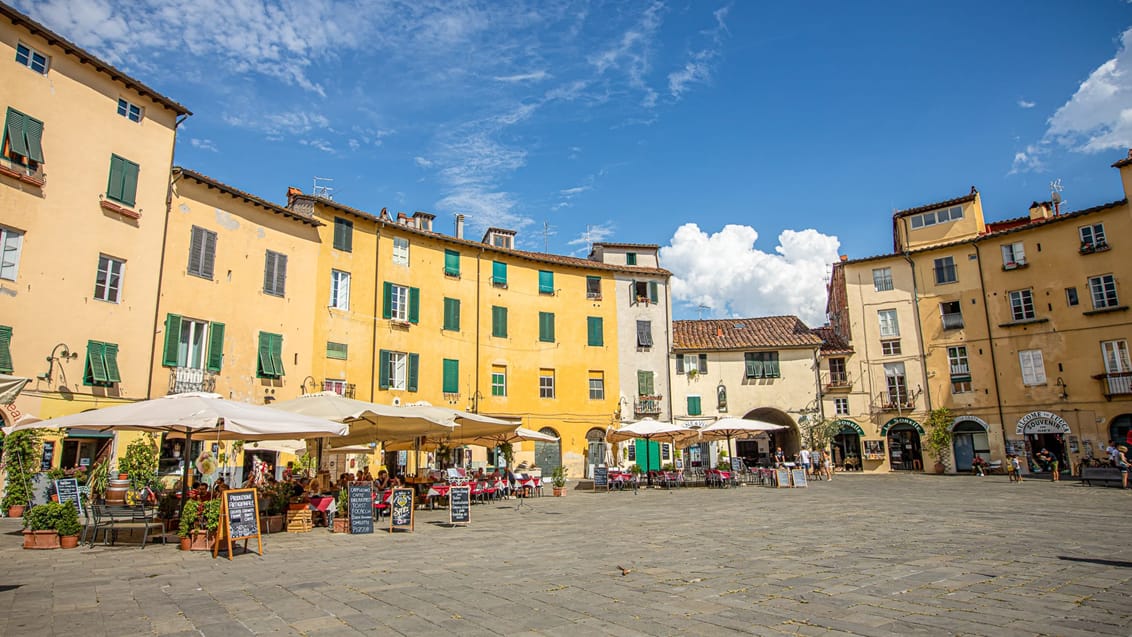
[(6, 349), (451, 263), (383, 369), (172, 340), (96, 363), (452, 314), (110, 359), (595, 337), (630, 258), (770, 367), (33, 131), (545, 282), (338, 351), (754, 366), (215, 347), (277, 354), (451, 382), (114, 185), (266, 366), (693, 405), (387, 300), (644, 383), (343, 234), (498, 273), (414, 305), (499, 321), (414, 364), (546, 327), (129, 182), (15, 131), (654, 294)]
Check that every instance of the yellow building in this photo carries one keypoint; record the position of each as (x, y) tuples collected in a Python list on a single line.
[(84, 174)]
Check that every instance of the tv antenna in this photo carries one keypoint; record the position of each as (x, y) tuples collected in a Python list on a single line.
[(700, 311), (547, 232), (1055, 195), (321, 189)]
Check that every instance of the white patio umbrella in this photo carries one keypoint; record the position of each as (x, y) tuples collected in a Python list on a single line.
[(469, 424), (10, 387), (649, 429), (368, 422), (732, 427)]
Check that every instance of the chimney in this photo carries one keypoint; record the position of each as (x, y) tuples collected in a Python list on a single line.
[(459, 226), (292, 192), (1040, 210), (844, 258)]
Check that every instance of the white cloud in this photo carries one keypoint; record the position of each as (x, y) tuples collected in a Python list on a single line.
[(631, 54), (292, 123), (423, 162), (203, 144), (726, 272), (1026, 104), (698, 68), (523, 77), (576, 190), (320, 144)]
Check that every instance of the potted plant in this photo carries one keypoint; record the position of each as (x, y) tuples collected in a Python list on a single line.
[(190, 516), (140, 463), (21, 457), (342, 518), (275, 498), (558, 479), (167, 511), (98, 479), (937, 441), (53, 474), (68, 526), (39, 526)]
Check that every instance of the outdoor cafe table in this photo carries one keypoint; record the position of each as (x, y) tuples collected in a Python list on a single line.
[(323, 504), (436, 492)]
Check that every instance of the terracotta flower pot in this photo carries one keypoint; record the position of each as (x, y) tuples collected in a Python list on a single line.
[(186, 543), (68, 541), (41, 540), (202, 541), (16, 511), (271, 524), (54, 497), (341, 525), (559, 492)]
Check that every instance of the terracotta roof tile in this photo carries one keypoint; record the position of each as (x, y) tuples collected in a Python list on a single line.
[(940, 204), (250, 198), (607, 244), (831, 344), (1127, 161), (765, 332)]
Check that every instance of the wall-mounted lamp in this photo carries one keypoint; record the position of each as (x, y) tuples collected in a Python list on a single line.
[(313, 385), (58, 353), (1064, 388)]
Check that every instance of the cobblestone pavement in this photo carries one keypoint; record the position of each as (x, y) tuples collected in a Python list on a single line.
[(861, 555)]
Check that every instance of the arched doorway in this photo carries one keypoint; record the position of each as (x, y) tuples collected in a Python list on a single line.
[(1119, 430), (969, 439), (846, 445), (904, 450), (1044, 430), (790, 439), (595, 450), (548, 455)]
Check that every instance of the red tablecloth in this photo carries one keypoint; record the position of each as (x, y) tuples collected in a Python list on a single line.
[(321, 503), (438, 490)]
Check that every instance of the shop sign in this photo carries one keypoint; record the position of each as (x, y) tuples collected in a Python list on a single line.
[(901, 420), (974, 419), (1041, 422), (849, 427)]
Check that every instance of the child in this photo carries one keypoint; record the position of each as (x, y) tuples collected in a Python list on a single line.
[(1016, 468)]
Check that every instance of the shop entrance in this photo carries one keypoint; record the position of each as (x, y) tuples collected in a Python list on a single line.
[(904, 449), (595, 450), (969, 439), (846, 450), (1055, 445), (548, 455), (754, 451)]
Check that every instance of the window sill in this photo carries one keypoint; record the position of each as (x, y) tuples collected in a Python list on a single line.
[(1032, 321), (452, 275), (113, 207), (38, 180), (1106, 310), (399, 323), (502, 286), (1104, 247), (593, 297), (1015, 266)]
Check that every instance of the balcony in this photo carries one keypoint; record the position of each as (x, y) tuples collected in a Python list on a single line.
[(15, 170), (187, 379), (1017, 264), (1089, 247), (960, 370), (837, 381), (1116, 385), (953, 321), (896, 400), (339, 387), (648, 404)]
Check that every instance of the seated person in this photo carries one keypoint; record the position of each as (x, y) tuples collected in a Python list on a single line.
[(978, 466), (219, 487), (383, 481)]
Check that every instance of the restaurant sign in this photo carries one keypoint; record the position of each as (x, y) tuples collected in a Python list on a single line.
[(848, 427), (1041, 422), (901, 420)]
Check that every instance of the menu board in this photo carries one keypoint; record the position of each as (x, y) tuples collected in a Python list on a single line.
[(798, 477), (401, 509), (601, 478), (68, 491), (782, 478), (460, 505), (239, 520), (360, 498), (48, 457)]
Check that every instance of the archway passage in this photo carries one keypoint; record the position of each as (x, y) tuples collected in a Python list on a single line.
[(548, 455), (790, 439), (1120, 431), (904, 449), (969, 439)]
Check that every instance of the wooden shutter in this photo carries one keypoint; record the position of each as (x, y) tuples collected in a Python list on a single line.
[(414, 305), (499, 321), (114, 184), (110, 359), (414, 364), (770, 367), (545, 282), (451, 380), (654, 295), (383, 369), (499, 272), (754, 365), (6, 349), (266, 367), (546, 327), (268, 271), (129, 182), (594, 331), (644, 333), (387, 300), (280, 274), (96, 364), (693, 405), (343, 234), (196, 250), (215, 347), (277, 354), (15, 127), (451, 263), (172, 340), (33, 135), (644, 383)]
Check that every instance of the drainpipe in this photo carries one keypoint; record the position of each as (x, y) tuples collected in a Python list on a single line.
[(668, 338), (919, 333), (479, 340), (376, 295), (990, 346)]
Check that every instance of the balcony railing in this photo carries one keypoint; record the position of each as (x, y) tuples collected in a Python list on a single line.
[(961, 370), (896, 400), (187, 379), (345, 390), (648, 404), (1116, 384), (836, 381), (1089, 247), (953, 321), (1015, 264)]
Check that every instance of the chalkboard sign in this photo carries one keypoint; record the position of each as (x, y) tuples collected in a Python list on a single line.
[(401, 509), (782, 478), (68, 491), (360, 497), (48, 457), (798, 476), (239, 519), (460, 505), (601, 478)]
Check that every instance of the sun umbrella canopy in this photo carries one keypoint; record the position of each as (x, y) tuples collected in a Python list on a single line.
[(736, 427), (649, 429), (333, 406), (469, 424), (10, 387), (519, 434)]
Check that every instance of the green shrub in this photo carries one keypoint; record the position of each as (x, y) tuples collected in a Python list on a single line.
[(67, 523), (22, 452), (190, 517), (46, 517), (212, 514)]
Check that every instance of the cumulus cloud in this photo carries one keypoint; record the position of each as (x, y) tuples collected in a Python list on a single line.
[(1026, 104), (727, 273)]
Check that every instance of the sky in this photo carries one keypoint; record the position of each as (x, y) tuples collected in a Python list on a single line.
[(753, 141)]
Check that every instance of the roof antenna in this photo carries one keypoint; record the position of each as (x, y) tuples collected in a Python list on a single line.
[(700, 311), (322, 190), (547, 232), (1055, 196)]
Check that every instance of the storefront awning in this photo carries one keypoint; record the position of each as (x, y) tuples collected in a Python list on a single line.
[(79, 433)]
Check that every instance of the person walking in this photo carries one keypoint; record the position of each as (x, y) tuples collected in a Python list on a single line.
[(1016, 467), (1122, 464), (804, 460), (827, 466)]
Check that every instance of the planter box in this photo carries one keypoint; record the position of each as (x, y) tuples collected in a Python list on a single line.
[(202, 541), (341, 525), (559, 492), (41, 540), (271, 524)]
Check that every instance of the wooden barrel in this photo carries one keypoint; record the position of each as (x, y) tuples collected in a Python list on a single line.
[(116, 492)]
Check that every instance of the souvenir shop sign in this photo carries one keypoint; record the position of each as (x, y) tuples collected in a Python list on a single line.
[(1041, 422), (901, 420), (849, 427)]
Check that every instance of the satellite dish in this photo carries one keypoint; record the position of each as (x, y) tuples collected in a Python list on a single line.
[(1055, 197)]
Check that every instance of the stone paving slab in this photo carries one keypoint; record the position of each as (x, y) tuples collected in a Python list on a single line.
[(862, 555)]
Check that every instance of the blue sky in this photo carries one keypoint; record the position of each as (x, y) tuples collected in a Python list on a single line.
[(754, 140)]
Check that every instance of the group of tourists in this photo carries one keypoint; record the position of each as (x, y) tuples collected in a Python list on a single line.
[(818, 463)]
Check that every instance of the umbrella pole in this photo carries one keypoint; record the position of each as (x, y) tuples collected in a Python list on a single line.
[(185, 473), (648, 461)]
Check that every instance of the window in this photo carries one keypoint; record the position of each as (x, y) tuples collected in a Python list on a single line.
[(132, 112), (339, 290), (500, 240), (1022, 305), (270, 363), (123, 184), (337, 386), (1071, 296), (841, 406), (593, 287), (400, 251), (882, 279), (630, 258), (6, 366), (498, 321), (694, 406), (545, 282), (11, 243), (1013, 255), (343, 234), (101, 369), (889, 327), (1115, 355), (451, 314), (451, 263), (695, 363), (546, 383), (498, 380), (1092, 237), (1103, 289), (897, 384), (337, 351), (23, 139), (450, 382), (1033, 367), (397, 370), (761, 364), (926, 219), (645, 383), (546, 327), (644, 333), (401, 304), (945, 271), (890, 347), (838, 376), (951, 314), (957, 363), (202, 252), (31, 58), (186, 340), (597, 385), (499, 274), (646, 292), (108, 280), (595, 335), (960, 386), (274, 273)]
